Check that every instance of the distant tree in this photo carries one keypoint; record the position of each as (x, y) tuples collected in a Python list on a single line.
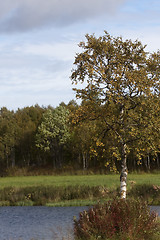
[(53, 133), (7, 137), (121, 83), (84, 135), (27, 120)]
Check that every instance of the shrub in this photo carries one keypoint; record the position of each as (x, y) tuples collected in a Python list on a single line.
[(151, 193), (117, 219)]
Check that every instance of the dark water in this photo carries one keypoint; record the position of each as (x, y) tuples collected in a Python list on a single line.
[(47, 223), (39, 223)]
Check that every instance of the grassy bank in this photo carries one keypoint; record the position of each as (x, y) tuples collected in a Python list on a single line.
[(75, 190)]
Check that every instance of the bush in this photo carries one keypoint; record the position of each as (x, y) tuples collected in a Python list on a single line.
[(151, 193), (117, 219)]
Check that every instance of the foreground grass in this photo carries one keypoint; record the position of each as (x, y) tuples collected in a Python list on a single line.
[(75, 190)]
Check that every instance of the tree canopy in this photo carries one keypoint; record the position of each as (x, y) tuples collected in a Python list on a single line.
[(53, 132)]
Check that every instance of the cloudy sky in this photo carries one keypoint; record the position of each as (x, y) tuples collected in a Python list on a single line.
[(39, 40)]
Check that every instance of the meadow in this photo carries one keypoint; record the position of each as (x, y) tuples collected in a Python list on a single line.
[(76, 190), (110, 181)]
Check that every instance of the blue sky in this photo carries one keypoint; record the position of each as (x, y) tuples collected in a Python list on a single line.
[(39, 40)]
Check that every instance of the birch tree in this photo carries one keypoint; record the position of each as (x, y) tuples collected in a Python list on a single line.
[(120, 80), (54, 132)]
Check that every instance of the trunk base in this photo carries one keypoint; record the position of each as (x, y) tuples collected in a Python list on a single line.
[(123, 184)]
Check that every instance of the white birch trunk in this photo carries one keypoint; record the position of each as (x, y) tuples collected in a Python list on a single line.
[(123, 177), (123, 185)]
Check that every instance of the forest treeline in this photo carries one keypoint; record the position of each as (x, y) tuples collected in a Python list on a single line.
[(41, 137)]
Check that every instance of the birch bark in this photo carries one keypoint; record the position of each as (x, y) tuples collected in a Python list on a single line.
[(123, 176)]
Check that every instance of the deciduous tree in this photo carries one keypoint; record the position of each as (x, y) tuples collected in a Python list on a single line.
[(53, 133), (121, 82)]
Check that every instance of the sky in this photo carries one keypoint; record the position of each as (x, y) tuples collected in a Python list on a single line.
[(39, 41)]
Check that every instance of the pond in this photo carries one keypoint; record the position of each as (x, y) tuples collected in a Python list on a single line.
[(39, 223)]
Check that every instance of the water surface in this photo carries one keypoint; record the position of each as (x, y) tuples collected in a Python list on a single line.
[(26, 223), (39, 223)]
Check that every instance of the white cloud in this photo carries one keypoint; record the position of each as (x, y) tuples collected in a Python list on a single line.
[(60, 51), (22, 15), (31, 73)]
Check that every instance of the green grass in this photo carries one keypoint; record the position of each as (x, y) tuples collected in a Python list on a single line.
[(75, 190), (110, 181), (145, 178), (79, 202)]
